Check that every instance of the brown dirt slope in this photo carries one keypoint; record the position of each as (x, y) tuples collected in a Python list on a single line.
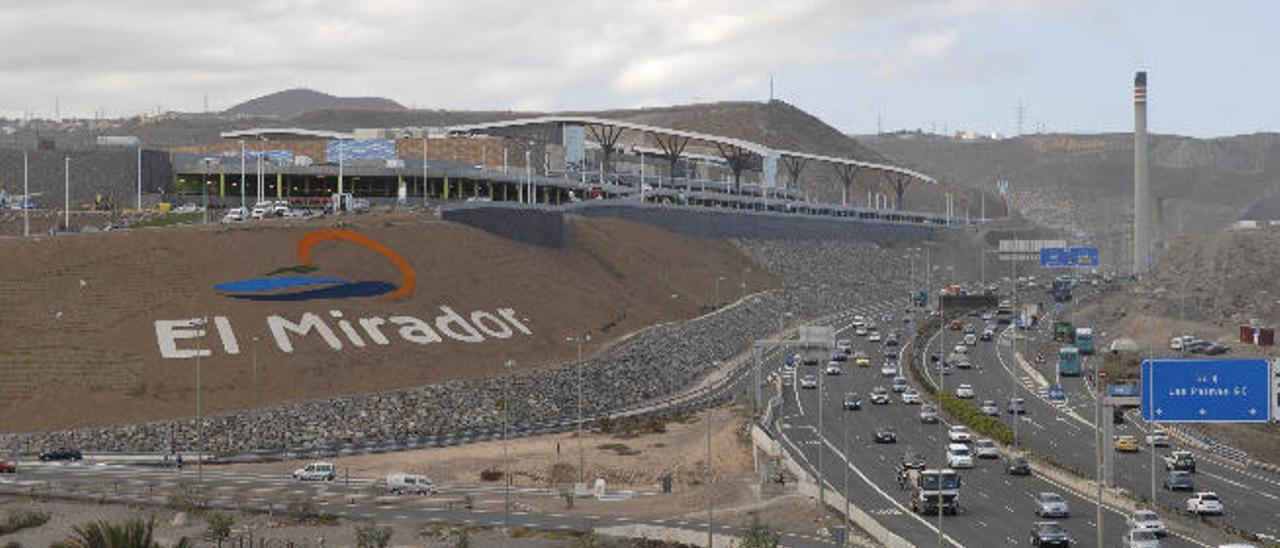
[(78, 342)]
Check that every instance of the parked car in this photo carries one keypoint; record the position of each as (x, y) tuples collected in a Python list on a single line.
[(885, 434), (1049, 533), (964, 391), (959, 456), (1146, 520), (8, 467), (1017, 465), (410, 484), (1179, 480), (1178, 343), (316, 471), (1215, 349), (959, 433), (1204, 503), (1052, 505), (61, 453), (984, 448)]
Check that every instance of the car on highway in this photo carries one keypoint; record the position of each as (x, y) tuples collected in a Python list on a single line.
[(911, 397), (1204, 502), (928, 414), (971, 339), (955, 325), (1017, 406), (412, 484), (879, 396), (988, 316), (1049, 533), (959, 456), (8, 467), (989, 408), (1146, 520), (888, 370), (839, 357), (912, 460), (1158, 438), (861, 359), (1180, 460), (885, 434), (861, 331), (900, 384), (960, 349), (1017, 465), (316, 471), (964, 391), (809, 381), (844, 345), (61, 453), (852, 402), (1051, 505), (987, 334), (874, 336), (1140, 539), (833, 368), (959, 433), (963, 362), (1126, 444), (985, 448), (968, 328), (891, 340), (945, 368), (859, 320), (1179, 480)]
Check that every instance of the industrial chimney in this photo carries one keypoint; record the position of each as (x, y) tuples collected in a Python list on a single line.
[(1142, 249)]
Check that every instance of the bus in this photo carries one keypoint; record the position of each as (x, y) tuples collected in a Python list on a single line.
[(1061, 289), (1084, 340), (1069, 361)]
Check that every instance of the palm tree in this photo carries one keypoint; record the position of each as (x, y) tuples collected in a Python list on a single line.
[(133, 533)]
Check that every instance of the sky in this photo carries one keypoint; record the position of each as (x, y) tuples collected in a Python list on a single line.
[(860, 65)]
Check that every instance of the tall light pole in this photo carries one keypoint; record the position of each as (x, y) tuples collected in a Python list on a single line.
[(942, 380), (716, 304), (582, 455), (139, 174), (26, 196), (257, 395), (204, 322), (66, 192), (242, 174), (710, 527), (506, 455)]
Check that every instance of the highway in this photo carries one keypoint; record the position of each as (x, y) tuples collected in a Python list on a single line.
[(997, 509)]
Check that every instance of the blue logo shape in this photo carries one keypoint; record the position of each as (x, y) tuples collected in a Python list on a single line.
[(333, 288)]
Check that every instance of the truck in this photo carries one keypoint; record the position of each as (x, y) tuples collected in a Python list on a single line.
[(1069, 361), (1061, 289), (928, 486), (1064, 332), (1084, 340), (1180, 461)]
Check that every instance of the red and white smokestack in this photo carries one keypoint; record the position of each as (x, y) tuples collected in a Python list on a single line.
[(1142, 248)]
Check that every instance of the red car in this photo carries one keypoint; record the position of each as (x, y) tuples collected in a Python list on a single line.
[(8, 467), (955, 325)]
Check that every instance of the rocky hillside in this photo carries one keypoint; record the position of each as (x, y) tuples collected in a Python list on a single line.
[(292, 102)]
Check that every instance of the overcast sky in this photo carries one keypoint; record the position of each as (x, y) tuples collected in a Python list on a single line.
[(931, 64)]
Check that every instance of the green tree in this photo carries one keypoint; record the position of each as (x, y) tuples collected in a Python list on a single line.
[(132, 533), (758, 535), (220, 524), (369, 535)]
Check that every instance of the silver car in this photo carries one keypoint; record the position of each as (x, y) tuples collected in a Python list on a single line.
[(1052, 505)]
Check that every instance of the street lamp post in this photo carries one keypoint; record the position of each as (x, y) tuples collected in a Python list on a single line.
[(506, 455), (710, 503), (582, 458), (716, 304), (66, 192), (257, 394)]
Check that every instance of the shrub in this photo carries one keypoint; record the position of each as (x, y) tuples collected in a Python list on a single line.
[(22, 520), (220, 524), (369, 535), (758, 535), (491, 474), (133, 533)]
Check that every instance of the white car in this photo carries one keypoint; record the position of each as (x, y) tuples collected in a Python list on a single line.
[(960, 349), (1140, 539), (843, 345), (833, 368), (959, 434), (1158, 438), (1178, 343), (910, 396), (959, 456), (888, 370), (984, 448), (900, 384), (970, 339), (859, 320), (874, 336), (808, 381), (234, 215), (410, 484), (964, 391), (1146, 520), (989, 408), (1204, 503), (316, 471), (861, 331)]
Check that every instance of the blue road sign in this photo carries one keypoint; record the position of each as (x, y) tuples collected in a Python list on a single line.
[(1055, 257), (791, 359), (1206, 390), (1056, 393), (1084, 257)]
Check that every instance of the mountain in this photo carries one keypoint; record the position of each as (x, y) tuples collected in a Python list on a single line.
[(293, 102)]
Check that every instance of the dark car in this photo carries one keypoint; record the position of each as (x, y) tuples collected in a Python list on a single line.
[(1196, 346), (1017, 465), (62, 453), (1049, 533), (1216, 348), (912, 460), (852, 402), (1180, 481), (885, 434)]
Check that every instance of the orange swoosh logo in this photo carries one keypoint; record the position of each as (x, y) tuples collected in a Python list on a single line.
[(409, 277)]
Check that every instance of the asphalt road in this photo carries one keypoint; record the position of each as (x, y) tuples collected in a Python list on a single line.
[(997, 509)]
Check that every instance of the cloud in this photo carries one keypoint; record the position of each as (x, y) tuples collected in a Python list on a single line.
[(128, 55)]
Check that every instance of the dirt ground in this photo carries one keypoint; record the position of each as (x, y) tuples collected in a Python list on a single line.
[(624, 462), (78, 340)]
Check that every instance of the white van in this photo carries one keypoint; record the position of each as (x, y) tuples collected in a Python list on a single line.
[(411, 484), (316, 471)]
